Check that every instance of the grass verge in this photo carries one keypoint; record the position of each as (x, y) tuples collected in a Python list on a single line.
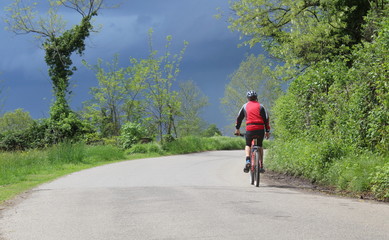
[(21, 171), (333, 165)]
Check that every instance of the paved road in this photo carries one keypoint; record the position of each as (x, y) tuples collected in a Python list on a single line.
[(196, 196)]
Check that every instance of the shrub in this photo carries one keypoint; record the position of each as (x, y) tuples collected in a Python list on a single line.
[(131, 133), (211, 131), (67, 127), (380, 182)]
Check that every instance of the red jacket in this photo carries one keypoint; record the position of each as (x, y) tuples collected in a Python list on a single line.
[(256, 117)]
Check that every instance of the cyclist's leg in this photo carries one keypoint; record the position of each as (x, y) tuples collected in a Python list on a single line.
[(249, 139), (260, 136), (248, 151)]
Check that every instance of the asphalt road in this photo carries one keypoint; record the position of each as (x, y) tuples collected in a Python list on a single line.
[(195, 196)]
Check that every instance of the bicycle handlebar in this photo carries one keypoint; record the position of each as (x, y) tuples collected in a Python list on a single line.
[(240, 135)]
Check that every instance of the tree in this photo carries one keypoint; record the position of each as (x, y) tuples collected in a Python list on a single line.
[(301, 32), (59, 45), (15, 121), (342, 104), (254, 73), (104, 109), (135, 86), (211, 131), (163, 106), (192, 103)]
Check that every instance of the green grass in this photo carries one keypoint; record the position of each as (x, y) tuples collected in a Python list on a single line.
[(20, 171), (333, 165)]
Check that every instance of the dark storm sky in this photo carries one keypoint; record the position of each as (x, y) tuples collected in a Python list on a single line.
[(212, 54)]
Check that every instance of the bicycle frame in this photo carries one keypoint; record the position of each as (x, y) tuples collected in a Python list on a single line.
[(255, 148)]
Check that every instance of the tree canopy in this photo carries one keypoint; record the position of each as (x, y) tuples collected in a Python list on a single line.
[(303, 32)]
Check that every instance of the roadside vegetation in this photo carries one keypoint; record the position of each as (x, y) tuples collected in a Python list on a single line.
[(332, 59)]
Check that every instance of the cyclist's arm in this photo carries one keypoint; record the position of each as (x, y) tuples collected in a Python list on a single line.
[(265, 118), (240, 118)]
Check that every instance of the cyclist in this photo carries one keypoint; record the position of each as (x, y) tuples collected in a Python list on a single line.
[(257, 124)]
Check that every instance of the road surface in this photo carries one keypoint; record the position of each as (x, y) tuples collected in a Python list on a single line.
[(194, 196)]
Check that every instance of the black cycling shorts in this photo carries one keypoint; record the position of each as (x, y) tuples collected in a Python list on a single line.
[(258, 134)]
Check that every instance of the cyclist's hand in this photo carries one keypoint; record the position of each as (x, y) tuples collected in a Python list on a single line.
[(267, 135), (237, 132)]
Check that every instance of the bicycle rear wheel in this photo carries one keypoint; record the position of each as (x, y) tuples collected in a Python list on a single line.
[(252, 174), (256, 169), (252, 167)]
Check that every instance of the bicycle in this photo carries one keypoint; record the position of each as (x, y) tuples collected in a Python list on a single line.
[(256, 162)]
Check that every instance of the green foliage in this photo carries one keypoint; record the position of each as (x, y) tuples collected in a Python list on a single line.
[(300, 32), (59, 45), (162, 102), (355, 171), (17, 120), (32, 137), (192, 103), (330, 163), (104, 109), (131, 134), (331, 126), (380, 182), (46, 132), (211, 131), (67, 127), (254, 73), (140, 93)]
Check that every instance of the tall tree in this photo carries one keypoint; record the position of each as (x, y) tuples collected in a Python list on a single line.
[(254, 73), (162, 105), (59, 44), (192, 103), (104, 109)]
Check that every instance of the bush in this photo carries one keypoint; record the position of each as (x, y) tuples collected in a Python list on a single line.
[(68, 127), (380, 182), (211, 131), (131, 133)]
